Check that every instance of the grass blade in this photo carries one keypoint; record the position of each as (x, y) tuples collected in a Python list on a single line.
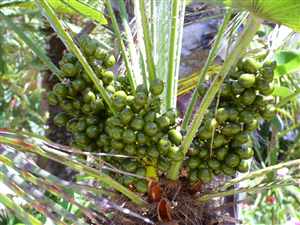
[(147, 40), (54, 21), (25, 216), (115, 25), (173, 54), (38, 51)]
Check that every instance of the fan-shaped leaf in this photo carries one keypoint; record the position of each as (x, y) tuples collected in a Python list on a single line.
[(287, 62)]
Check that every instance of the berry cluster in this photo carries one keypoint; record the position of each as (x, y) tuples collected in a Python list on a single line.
[(223, 143)]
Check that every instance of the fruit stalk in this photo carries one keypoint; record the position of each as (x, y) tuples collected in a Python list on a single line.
[(252, 26), (210, 59)]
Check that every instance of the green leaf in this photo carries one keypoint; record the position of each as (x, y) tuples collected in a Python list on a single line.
[(73, 7), (287, 62), (281, 91), (282, 12)]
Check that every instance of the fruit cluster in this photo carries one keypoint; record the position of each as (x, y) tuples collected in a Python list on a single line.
[(223, 143), (138, 130)]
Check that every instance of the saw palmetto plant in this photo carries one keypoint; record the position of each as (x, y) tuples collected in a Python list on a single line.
[(133, 157)]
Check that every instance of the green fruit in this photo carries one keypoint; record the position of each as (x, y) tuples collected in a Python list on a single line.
[(69, 70), (91, 120), (98, 105), (141, 138), (163, 121), (237, 88), (156, 87), (267, 73), (129, 165), (92, 131), (86, 109), (109, 61), (250, 65), (150, 116), (164, 145), (175, 153), (79, 84), (214, 164), (243, 166), (193, 151), (221, 153), (203, 153), (119, 100), (150, 128), (99, 53), (193, 176), (246, 116), (66, 106), (141, 172), (128, 180), (163, 164), (175, 136), (141, 151), (81, 125), (242, 138), (117, 145), (217, 172), (107, 77), (137, 123), (222, 115), (253, 125), (193, 162), (203, 165), (211, 124), (71, 126), (248, 97), (129, 136), (90, 47), (141, 186), (231, 129), (226, 90), (130, 149), (233, 114), (228, 170), (52, 99), (117, 133), (247, 80), (218, 141), (204, 134), (264, 87), (60, 89), (140, 99), (60, 119), (89, 96), (205, 175), (102, 140), (76, 104), (81, 139), (68, 58), (111, 89), (114, 121), (153, 152), (245, 152), (268, 112), (171, 114), (232, 160), (126, 115)]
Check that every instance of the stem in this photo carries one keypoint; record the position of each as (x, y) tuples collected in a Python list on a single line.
[(54, 21), (261, 172), (245, 38), (210, 196), (24, 147), (115, 26), (211, 57), (171, 96), (147, 41)]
